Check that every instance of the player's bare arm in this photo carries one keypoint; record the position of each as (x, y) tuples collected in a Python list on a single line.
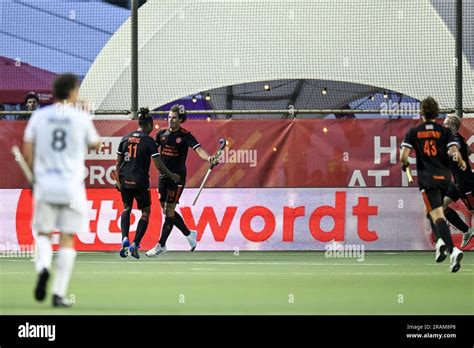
[(204, 155), (404, 157), (118, 163), (453, 151)]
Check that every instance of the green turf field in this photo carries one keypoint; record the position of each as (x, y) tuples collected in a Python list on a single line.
[(251, 283)]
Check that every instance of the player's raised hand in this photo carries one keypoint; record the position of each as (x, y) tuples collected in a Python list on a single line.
[(214, 160)]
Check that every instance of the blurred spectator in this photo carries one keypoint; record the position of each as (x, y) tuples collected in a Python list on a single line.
[(2, 108), (31, 104), (344, 115)]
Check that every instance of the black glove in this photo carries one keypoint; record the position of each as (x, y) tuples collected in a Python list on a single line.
[(214, 160), (405, 166)]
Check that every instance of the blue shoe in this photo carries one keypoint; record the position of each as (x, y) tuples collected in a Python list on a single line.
[(124, 249), (134, 250)]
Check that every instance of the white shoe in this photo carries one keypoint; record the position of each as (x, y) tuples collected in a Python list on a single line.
[(157, 250), (466, 237), (192, 240), (440, 250), (456, 257)]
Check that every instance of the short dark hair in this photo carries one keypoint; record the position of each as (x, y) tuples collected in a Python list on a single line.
[(31, 95), (180, 110), (429, 108), (144, 117), (64, 85)]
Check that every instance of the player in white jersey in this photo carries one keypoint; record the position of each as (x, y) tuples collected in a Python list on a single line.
[(55, 143)]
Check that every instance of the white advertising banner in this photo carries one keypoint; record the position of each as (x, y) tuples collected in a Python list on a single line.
[(250, 219)]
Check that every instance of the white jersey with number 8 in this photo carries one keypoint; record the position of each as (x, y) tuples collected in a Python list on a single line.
[(60, 134)]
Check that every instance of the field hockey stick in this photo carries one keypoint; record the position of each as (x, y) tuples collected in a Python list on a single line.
[(222, 143), (409, 176), (23, 165)]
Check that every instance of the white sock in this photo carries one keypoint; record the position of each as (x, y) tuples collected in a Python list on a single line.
[(43, 253), (64, 267)]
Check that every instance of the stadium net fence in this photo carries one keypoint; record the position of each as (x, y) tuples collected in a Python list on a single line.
[(245, 59)]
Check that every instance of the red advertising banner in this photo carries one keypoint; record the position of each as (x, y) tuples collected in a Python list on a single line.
[(261, 153)]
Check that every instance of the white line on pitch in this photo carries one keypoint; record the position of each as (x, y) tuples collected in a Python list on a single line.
[(244, 263), (255, 273), (271, 263)]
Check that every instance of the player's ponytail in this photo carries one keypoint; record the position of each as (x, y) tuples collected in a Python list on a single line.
[(144, 117)]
